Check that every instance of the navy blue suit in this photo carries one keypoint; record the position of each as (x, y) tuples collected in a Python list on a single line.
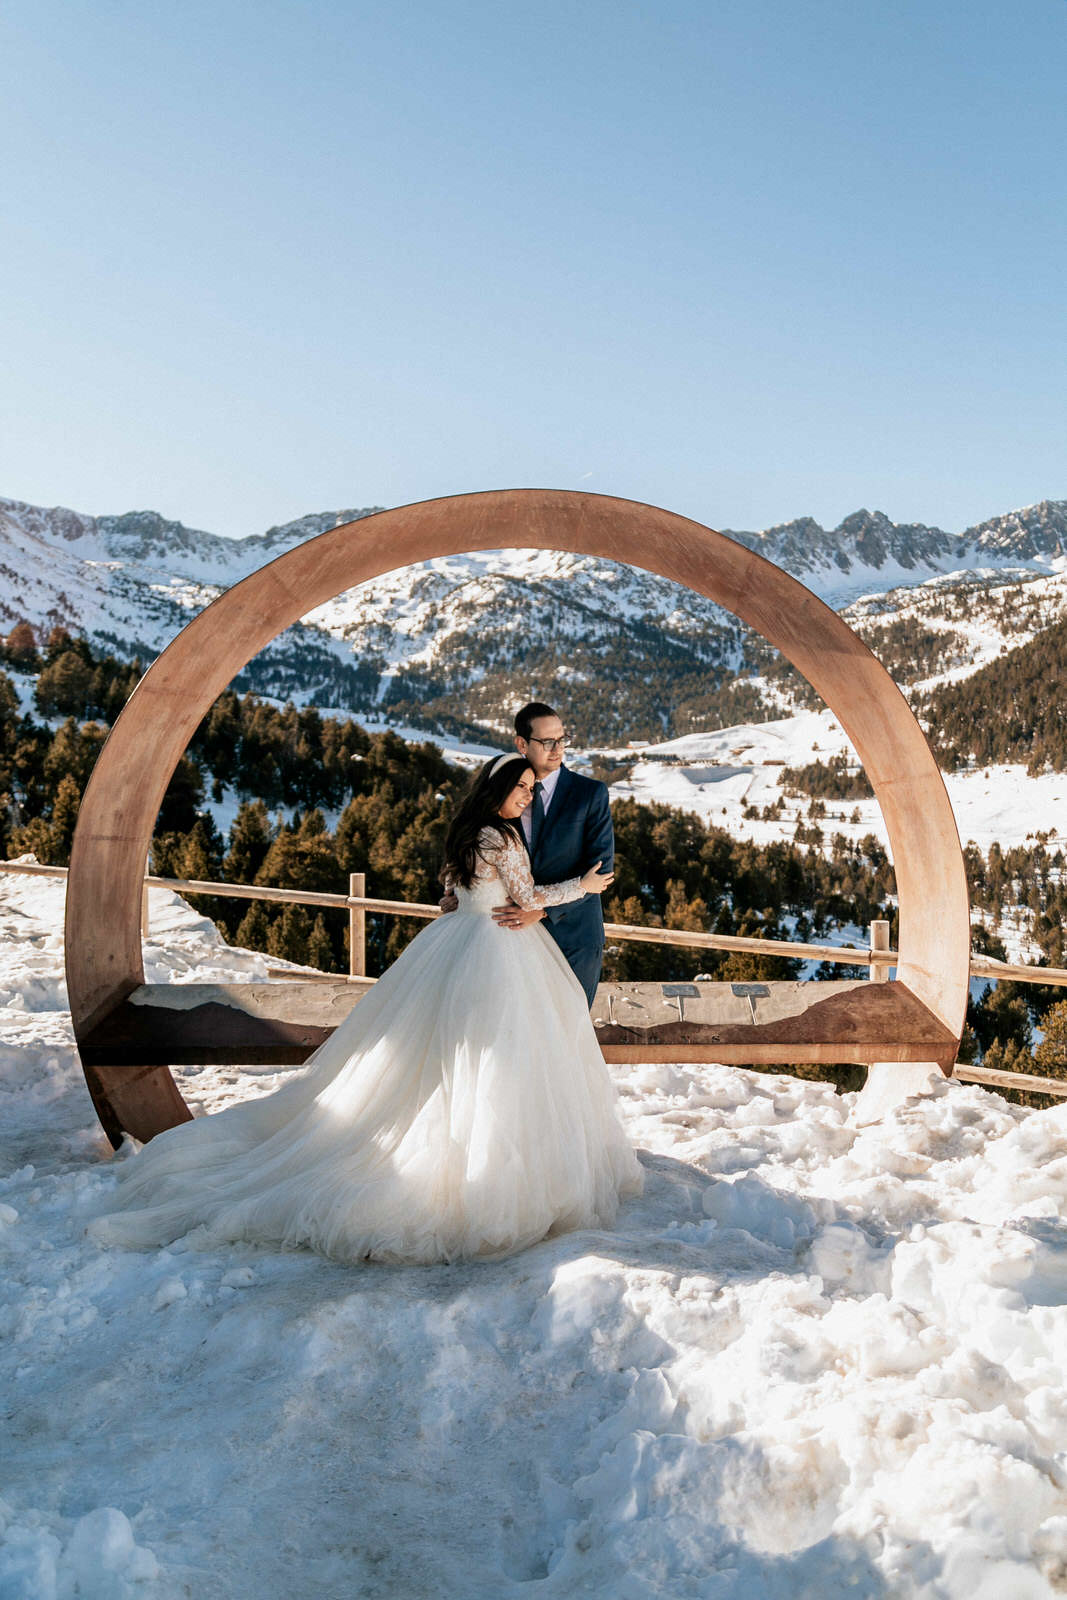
[(575, 835)]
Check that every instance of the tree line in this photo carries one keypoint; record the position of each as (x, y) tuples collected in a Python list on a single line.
[(320, 797), (1010, 710)]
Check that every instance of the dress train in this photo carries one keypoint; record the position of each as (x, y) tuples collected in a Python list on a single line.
[(462, 1109)]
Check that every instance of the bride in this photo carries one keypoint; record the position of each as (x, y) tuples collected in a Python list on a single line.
[(462, 1109)]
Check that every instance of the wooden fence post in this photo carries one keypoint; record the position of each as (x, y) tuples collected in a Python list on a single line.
[(357, 927), (879, 971)]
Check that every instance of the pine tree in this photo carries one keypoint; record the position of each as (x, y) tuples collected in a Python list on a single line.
[(319, 948), (199, 859), (73, 749), (201, 855), (253, 928), (9, 710), (20, 647), (630, 961), (302, 856), (288, 936), (1009, 1056), (183, 799), (65, 686), (1002, 1016), (682, 912), (32, 838), (64, 817), (281, 865), (218, 739), (60, 641), (1051, 1053), (745, 966), (250, 839)]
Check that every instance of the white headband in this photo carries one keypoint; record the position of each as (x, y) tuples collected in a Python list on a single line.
[(499, 762)]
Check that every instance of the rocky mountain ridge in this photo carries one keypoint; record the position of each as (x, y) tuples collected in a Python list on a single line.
[(868, 543), (864, 540), (448, 642)]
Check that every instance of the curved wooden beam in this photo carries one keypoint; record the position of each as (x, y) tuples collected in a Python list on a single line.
[(125, 791)]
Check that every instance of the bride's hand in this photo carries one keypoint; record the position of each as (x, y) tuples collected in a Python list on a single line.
[(594, 881)]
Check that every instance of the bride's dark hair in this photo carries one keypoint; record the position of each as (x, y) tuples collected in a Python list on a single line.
[(480, 808)]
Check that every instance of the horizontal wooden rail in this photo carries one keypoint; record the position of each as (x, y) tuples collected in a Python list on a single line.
[(853, 955), (850, 955), (989, 967), (1009, 1080)]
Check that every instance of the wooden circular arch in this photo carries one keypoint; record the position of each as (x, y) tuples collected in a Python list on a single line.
[(118, 810)]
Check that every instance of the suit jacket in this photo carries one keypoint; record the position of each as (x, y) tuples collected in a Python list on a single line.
[(576, 834)]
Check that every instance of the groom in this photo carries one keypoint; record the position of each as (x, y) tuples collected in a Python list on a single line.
[(567, 830)]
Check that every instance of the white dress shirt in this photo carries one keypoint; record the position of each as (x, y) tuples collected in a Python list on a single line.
[(548, 789)]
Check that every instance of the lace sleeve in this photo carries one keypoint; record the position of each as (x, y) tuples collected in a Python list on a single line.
[(513, 868)]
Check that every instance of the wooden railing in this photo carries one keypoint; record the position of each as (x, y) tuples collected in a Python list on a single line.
[(877, 956)]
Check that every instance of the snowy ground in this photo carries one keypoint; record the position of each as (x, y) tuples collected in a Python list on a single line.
[(813, 1360), (718, 774)]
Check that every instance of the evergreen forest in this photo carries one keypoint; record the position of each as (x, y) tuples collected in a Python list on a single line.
[(1030, 725), (316, 798)]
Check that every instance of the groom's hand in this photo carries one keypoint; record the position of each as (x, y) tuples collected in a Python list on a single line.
[(513, 916), (449, 901)]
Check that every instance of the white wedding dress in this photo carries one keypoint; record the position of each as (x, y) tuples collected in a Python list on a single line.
[(462, 1109)]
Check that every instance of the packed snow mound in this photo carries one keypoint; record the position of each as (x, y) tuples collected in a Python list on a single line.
[(814, 1359)]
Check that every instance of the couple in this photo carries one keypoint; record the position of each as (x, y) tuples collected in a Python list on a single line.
[(463, 1107)]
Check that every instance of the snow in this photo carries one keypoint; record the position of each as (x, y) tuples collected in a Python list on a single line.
[(716, 775), (814, 1359), (133, 581), (825, 579)]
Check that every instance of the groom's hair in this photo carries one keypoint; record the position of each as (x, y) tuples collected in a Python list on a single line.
[(525, 719)]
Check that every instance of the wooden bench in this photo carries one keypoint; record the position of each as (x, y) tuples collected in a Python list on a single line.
[(281, 1024)]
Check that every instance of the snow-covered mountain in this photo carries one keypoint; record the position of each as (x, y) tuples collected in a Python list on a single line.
[(450, 640), (868, 551)]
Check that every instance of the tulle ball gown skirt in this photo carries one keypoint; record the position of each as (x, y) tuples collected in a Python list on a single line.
[(463, 1109)]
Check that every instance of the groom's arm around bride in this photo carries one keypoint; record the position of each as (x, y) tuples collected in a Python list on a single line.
[(567, 830)]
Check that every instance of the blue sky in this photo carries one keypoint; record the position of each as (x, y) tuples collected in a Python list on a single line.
[(749, 261)]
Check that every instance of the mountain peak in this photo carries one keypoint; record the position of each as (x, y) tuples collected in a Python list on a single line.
[(1032, 532), (428, 635), (314, 522)]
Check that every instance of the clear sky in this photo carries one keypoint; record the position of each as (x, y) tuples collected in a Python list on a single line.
[(746, 259)]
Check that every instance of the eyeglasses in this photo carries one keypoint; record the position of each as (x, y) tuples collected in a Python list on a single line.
[(549, 746)]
